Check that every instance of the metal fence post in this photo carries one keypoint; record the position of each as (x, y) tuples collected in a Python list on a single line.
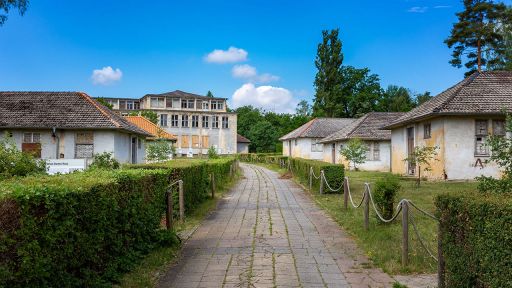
[(168, 213), (366, 196), (181, 201), (212, 182), (345, 193), (322, 182), (405, 233), (440, 259)]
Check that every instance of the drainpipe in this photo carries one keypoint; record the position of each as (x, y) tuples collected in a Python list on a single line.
[(54, 135)]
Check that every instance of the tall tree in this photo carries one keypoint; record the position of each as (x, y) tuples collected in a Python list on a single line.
[(209, 94), (396, 99), (303, 108), (423, 97), (328, 79), (476, 33), (360, 91), (7, 5)]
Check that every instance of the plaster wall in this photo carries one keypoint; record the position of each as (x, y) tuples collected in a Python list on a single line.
[(301, 148), (242, 147), (382, 165)]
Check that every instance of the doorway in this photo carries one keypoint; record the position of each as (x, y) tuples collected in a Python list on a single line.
[(410, 149), (134, 150)]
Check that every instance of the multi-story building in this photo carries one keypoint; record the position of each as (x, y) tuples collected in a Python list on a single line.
[(199, 122)]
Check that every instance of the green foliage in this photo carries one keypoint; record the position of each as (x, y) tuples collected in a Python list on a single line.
[(267, 158), (398, 285), (212, 153), (148, 114), (475, 236), (334, 173), (159, 150), (422, 156), (303, 109), (501, 154), (360, 91), (354, 151), (209, 94), (79, 229), (384, 194), (422, 98), (6, 6), (396, 99), (262, 136), (104, 160), (104, 102), (476, 33), (13, 162)]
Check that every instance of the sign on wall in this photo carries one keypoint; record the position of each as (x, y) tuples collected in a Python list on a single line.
[(63, 166)]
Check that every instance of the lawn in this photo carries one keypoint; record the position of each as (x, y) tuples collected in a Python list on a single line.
[(382, 243)]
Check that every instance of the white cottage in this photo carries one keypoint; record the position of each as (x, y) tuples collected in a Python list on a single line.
[(68, 125), (366, 128), (458, 121), (304, 142)]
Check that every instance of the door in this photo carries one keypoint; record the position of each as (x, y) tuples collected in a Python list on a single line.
[(410, 149), (333, 153), (134, 150)]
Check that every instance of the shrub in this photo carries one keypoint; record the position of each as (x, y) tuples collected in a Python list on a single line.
[(355, 152), (384, 194), (334, 173), (80, 229), (476, 240), (212, 153), (159, 150), (13, 162), (104, 160)]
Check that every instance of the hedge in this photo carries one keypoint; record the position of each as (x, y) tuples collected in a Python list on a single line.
[(476, 239), (334, 173), (78, 230)]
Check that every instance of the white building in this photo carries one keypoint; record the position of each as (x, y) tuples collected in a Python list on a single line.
[(303, 142), (242, 145), (68, 125), (366, 128), (458, 121), (199, 122)]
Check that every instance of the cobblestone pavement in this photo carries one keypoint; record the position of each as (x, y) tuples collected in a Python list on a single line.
[(268, 233)]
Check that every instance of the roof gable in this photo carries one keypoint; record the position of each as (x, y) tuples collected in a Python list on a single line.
[(318, 128), (150, 127)]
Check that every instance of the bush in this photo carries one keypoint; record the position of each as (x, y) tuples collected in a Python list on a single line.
[(334, 173), (212, 153), (384, 194), (13, 162), (159, 150), (81, 229), (476, 239), (104, 160)]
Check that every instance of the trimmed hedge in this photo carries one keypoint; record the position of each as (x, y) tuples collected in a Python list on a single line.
[(334, 173), (476, 237), (80, 229)]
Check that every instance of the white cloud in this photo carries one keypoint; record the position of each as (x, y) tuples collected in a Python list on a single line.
[(106, 76), (232, 55), (270, 98), (417, 9), (243, 71), (442, 6), (249, 73)]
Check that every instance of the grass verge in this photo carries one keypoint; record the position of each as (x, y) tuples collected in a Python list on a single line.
[(157, 262), (382, 243)]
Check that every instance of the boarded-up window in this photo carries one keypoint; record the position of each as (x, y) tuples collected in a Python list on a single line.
[(184, 141), (372, 151), (84, 145), (195, 141), (481, 132), (498, 128), (205, 141), (32, 144)]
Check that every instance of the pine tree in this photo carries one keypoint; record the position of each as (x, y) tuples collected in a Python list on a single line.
[(328, 79), (476, 33), (209, 94)]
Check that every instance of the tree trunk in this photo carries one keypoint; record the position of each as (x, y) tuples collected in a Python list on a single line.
[(479, 52)]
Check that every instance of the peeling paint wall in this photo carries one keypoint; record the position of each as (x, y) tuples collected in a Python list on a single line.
[(383, 164), (301, 148)]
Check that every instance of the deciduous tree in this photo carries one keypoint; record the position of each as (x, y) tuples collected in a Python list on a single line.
[(8, 5), (354, 151)]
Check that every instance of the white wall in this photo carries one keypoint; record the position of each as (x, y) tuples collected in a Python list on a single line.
[(242, 148), (383, 164), (301, 148)]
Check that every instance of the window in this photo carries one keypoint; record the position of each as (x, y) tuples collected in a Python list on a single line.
[(169, 103), (187, 104), (427, 131), (136, 105), (157, 102), (31, 144), (184, 120), (373, 151), (225, 122), (204, 141), (315, 146), (215, 121), (139, 143), (195, 141), (498, 128), (217, 105), (184, 141), (195, 121), (84, 145), (174, 121), (163, 120), (205, 121), (481, 133), (205, 105), (295, 142), (31, 137), (129, 105)]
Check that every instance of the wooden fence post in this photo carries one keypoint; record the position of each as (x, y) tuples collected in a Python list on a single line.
[(168, 213), (366, 196), (440, 259), (310, 178), (405, 233), (345, 193), (212, 182), (321, 182), (181, 201)]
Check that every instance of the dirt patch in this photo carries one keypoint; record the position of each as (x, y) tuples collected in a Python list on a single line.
[(287, 175)]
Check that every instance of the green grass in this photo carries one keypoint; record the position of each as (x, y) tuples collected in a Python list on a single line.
[(382, 243), (156, 263)]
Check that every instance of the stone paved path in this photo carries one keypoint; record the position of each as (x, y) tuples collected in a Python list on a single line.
[(268, 233)]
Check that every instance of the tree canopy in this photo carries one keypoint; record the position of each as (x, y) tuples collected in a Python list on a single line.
[(8, 5)]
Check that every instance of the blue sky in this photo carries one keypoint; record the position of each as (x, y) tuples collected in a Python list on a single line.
[(164, 46)]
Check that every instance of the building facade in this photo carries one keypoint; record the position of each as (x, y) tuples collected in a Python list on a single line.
[(458, 122), (198, 122)]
